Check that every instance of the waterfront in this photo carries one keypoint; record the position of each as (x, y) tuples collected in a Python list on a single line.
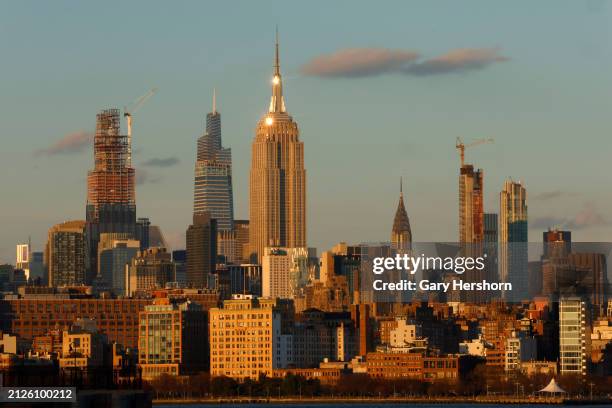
[(375, 403)]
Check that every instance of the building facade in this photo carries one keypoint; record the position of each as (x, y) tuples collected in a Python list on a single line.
[(65, 254), (572, 336), (149, 269), (171, 339), (115, 253), (247, 338), (116, 318), (23, 258), (201, 250), (283, 271)]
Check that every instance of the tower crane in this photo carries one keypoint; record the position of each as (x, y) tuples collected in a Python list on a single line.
[(462, 146), (127, 113)]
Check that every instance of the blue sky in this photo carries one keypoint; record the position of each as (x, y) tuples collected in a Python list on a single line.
[(537, 79)]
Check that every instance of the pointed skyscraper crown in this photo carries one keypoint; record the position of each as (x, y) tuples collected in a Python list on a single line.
[(277, 102), (401, 233)]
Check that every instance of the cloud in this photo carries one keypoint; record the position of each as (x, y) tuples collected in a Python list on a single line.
[(175, 239), (161, 162), (71, 143), (144, 177), (588, 216), (457, 61), (365, 62), (551, 195), (359, 62), (542, 223)]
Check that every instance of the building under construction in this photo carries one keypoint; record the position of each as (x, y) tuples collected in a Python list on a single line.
[(112, 179), (111, 199)]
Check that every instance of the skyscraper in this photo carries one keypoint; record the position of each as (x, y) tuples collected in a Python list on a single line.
[(277, 179), (37, 268), (149, 269), (491, 239), (115, 251), (111, 197), (65, 253), (23, 258), (201, 250), (401, 234), (213, 174), (283, 272), (471, 212), (513, 239)]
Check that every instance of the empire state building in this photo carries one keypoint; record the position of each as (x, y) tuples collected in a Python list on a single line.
[(278, 178)]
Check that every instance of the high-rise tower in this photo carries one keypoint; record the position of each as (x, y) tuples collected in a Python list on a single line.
[(471, 211), (513, 238), (213, 175), (513, 212), (401, 234), (111, 196), (278, 179)]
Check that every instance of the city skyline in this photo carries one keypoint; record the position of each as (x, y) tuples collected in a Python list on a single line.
[(329, 102)]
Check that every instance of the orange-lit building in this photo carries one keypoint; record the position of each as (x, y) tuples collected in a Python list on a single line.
[(111, 193), (412, 365), (116, 318)]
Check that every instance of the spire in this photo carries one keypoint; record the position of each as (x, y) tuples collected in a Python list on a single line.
[(401, 233), (276, 57), (214, 109), (277, 102)]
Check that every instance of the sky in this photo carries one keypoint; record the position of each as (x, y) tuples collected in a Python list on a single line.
[(379, 90)]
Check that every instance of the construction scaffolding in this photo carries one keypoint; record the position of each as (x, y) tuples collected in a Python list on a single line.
[(112, 180)]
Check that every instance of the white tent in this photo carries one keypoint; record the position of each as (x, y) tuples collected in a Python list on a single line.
[(553, 388)]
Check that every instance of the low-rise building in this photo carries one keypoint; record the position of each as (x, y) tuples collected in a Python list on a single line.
[(531, 368), (82, 346), (247, 338), (412, 365), (172, 339)]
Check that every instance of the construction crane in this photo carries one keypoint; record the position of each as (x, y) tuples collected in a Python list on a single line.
[(462, 146), (127, 113)]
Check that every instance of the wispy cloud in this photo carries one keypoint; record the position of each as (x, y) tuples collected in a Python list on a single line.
[(457, 61), (366, 62), (161, 162), (144, 177), (552, 195), (588, 216), (359, 62), (71, 143)]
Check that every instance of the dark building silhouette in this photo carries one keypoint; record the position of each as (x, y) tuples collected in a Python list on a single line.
[(143, 226), (179, 257), (201, 250)]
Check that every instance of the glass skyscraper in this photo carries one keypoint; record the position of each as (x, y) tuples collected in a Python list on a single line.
[(213, 175), (513, 239)]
